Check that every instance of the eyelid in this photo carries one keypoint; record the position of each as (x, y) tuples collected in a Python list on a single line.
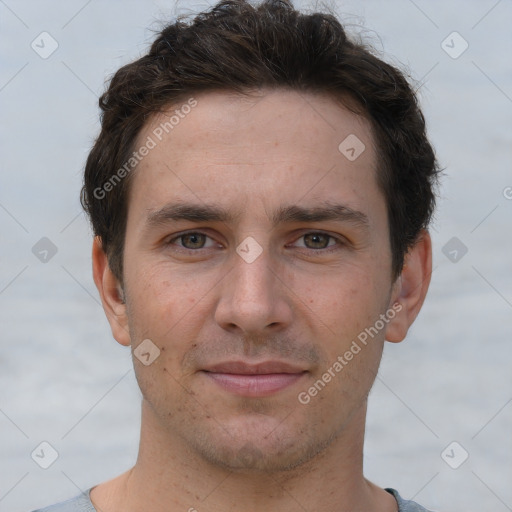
[(177, 236), (340, 241)]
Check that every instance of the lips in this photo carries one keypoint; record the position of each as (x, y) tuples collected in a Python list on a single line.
[(254, 380)]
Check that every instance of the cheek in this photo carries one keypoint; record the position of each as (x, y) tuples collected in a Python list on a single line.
[(166, 307), (164, 290), (342, 317), (343, 300)]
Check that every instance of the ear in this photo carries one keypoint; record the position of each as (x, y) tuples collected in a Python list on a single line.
[(410, 289), (111, 294)]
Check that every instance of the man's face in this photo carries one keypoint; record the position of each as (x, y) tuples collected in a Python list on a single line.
[(251, 306)]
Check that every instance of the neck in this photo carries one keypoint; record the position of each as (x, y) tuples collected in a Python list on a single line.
[(168, 475)]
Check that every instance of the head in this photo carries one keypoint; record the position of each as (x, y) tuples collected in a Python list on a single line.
[(260, 190)]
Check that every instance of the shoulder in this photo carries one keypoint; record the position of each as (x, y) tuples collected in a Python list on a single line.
[(80, 503), (406, 505)]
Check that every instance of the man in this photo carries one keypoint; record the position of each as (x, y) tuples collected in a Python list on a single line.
[(260, 194)]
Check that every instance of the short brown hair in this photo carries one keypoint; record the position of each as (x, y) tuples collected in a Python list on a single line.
[(238, 47)]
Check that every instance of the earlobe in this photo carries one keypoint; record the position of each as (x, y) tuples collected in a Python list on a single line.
[(411, 287), (111, 294)]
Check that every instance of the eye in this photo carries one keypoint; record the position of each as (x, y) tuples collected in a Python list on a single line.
[(192, 241), (318, 240)]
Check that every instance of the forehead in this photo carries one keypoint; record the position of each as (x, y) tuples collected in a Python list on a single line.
[(274, 146)]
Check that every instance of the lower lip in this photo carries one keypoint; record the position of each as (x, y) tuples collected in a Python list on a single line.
[(255, 385)]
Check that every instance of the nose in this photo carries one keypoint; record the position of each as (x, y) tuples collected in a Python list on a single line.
[(254, 298)]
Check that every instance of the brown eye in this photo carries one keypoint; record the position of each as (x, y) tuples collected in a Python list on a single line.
[(317, 240), (193, 240)]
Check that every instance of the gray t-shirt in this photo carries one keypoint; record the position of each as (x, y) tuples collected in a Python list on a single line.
[(82, 503)]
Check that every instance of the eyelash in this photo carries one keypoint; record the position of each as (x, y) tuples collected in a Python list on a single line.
[(330, 248)]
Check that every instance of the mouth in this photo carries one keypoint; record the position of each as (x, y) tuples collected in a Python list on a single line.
[(254, 380)]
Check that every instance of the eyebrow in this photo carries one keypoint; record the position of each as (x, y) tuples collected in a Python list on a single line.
[(286, 214), (190, 212), (325, 212)]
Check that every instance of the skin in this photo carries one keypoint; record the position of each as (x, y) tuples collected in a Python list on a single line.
[(303, 300)]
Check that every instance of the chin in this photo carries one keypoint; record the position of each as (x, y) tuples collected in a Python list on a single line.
[(246, 448)]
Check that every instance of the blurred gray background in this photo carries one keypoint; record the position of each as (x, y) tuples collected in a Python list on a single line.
[(66, 382)]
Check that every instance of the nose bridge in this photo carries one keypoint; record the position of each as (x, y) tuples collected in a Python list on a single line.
[(253, 278), (252, 298)]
